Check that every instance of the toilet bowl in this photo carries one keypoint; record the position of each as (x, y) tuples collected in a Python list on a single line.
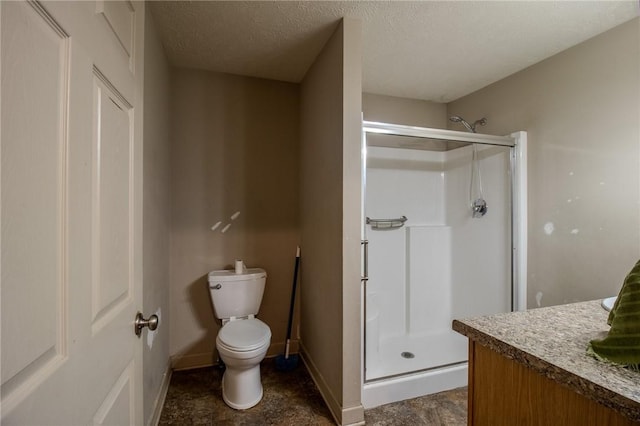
[(243, 340), (242, 345)]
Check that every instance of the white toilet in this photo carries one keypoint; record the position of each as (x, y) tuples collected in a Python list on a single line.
[(243, 340)]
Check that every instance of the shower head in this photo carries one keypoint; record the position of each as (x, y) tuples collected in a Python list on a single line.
[(458, 119), (470, 127)]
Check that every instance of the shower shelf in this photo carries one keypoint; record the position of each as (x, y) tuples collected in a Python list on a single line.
[(386, 223)]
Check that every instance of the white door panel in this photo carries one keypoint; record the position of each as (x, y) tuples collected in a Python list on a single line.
[(112, 151), (33, 199), (70, 176)]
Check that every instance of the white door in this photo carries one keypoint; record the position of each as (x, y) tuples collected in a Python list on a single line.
[(71, 145)]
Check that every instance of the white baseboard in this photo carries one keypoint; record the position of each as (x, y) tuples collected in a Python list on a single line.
[(188, 362), (355, 412), (278, 348), (207, 359), (329, 398), (342, 416), (161, 397)]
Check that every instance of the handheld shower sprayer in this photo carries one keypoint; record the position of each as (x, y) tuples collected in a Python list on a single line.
[(476, 196), (470, 127)]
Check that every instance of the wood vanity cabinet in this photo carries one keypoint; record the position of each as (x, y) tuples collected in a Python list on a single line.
[(506, 392)]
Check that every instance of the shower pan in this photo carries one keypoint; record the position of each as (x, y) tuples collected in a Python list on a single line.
[(429, 257)]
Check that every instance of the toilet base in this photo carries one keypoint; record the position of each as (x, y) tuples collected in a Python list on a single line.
[(242, 388)]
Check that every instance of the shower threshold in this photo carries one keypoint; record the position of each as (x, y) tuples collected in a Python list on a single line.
[(408, 366), (407, 386)]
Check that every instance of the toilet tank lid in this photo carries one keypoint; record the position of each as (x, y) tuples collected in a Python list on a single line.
[(226, 275)]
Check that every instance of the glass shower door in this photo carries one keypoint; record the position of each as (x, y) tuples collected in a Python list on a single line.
[(429, 259)]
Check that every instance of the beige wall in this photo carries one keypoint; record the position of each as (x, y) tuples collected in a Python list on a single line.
[(234, 149), (236, 146), (330, 203), (352, 409), (156, 210), (581, 109), (321, 220), (410, 112)]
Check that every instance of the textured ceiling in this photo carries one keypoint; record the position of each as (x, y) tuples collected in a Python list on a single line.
[(431, 50)]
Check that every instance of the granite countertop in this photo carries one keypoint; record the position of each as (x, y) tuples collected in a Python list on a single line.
[(553, 342)]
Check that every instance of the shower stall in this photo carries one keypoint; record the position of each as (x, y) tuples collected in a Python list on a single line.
[(444, 237)]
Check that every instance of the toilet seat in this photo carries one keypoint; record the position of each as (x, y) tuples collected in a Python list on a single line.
[(244, 335)]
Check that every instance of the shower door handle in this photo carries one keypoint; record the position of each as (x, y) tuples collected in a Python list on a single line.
[(365, 261)]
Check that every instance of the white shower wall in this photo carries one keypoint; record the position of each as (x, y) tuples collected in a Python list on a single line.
[(400, 183), (481, 275), (442, 264)]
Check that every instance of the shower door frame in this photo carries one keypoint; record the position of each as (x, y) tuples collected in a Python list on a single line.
[(517, 142)]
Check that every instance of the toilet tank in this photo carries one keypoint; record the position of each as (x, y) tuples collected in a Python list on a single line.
[(236, 295)]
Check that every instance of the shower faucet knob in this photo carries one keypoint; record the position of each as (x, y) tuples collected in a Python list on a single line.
[(479, 208)]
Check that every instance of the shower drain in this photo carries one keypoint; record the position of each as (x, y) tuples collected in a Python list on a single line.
[(407, 355)]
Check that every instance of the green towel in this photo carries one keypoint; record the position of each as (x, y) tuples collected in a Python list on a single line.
[(622, 344)]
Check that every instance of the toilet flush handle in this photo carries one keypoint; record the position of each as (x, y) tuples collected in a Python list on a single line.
[(141, 323), (217, 286)]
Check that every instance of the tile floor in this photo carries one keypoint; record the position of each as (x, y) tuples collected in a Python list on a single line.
[(291, 398)]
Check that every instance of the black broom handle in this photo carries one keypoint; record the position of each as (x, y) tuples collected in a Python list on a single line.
[(293, 293)]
